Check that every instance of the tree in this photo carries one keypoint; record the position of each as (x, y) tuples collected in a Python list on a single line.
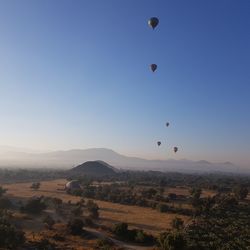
[(75, 226), (177, 223), (240, 192), (93, 209), (172, 196), (5, 203), (45, 244), (49, 222), (172, 241), (10, 237), (195, 193), (195, 199), (57, 202), (34, 206), (77, 211), (35, 185), (163, 208), (2, 191), (121, 230)]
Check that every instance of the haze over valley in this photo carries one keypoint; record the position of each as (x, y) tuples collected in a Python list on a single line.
[(16, 157)]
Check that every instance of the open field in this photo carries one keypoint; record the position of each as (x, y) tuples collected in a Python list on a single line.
[(110, 213)]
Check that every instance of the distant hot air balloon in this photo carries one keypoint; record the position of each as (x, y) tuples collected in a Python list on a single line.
[(167, 124), (153, 22), (153, 67), (159, 143), (175, 149)]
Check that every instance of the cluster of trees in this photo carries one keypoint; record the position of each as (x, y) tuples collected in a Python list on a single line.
[(154, 197), (215, 181), (221, 223), (75, 226), (30, 175), (123, 194), (10, 236), (34, 205), (121, 231)]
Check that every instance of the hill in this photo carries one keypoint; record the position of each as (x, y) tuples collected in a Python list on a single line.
[(70, 158), (94, 168)]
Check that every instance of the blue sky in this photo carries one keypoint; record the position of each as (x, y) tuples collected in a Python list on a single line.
[(75, 74)]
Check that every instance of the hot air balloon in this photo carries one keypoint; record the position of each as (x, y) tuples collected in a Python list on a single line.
[(175, 149), (153, 67), (153, 22), (159, 143), (167, 124)]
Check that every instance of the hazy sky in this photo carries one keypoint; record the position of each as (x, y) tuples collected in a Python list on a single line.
[(75, 74)]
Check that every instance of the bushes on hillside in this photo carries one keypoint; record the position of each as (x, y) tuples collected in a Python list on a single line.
[(172, 241), (34, 206), (75, 226), (122, 232), (5, 203), (93, 209), (49, 222), (10, 237)]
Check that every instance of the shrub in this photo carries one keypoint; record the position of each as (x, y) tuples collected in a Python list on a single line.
[(93, 209), (35, 185), (88, 221), (240, 192), (172, 241), (57, 202), (75, 226), (2, 191), (163, 208), (121, 230), (49, 221), (177, 223), (77, 211), (10, 237), (140, 236), (5, 203), (34, 206), (104, 244), (45, 244)]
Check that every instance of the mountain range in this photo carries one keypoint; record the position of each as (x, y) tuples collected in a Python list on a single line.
[(14, 157)]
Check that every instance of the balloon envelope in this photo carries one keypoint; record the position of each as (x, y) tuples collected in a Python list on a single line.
[(159, 143), (167, 124), (153, 22), (153, 67), (175, 149)]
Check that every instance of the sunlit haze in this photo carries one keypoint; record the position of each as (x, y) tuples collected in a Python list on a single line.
[(75, 74)]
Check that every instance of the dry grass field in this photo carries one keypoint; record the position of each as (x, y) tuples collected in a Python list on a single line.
[(138, 217)]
